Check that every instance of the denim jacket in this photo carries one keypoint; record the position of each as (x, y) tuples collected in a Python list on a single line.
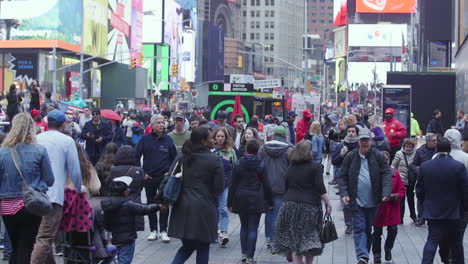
[(35, 166)]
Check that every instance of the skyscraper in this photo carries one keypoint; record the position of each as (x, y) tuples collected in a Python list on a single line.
[(320, 18)]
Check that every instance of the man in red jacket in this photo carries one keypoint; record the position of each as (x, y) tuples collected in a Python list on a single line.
[(303, 125), (394, 131)]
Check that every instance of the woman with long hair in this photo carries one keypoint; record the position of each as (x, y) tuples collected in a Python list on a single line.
[(300, 218), (250, 133), (194, 216), (22, 226), (89, 175), (35, 95), (106, 161), (14, 99), (224, 148), (318, 141)]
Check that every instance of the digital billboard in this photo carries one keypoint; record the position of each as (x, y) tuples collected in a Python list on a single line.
[(386, 6), (118, 36), (136, 38), (213, 53), (341, 45), (363, 72), (153, 21), (187, 63), (34, 21), (340, 12), (149, 63), (162, 66), (173, 26), (377, 35), (95, 27)]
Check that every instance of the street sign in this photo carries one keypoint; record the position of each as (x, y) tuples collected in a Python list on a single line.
[(265, 84), (194, 93), (314, 78)]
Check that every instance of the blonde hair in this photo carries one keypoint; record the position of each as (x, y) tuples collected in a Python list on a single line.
[(23, 131), (315, 128)]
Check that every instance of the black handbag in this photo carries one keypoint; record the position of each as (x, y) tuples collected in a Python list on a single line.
[(411, 171), (35, 202), (328, 231), (173, 186)]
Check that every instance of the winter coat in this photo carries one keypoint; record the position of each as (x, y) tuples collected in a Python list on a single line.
[(250, 191), (465, 132), (195, 215), (422, 155), (415, 130), (337, 159), (158, 154), (379, 171), (93, 148), (275, 157), (435, 126), (119, 217), (227, 165), (399, 164), (125, 165), (118, 136), (454, 137), (301, 129), (389, 213), (14, 101), (318, 148), (395, 127), (305, 183)]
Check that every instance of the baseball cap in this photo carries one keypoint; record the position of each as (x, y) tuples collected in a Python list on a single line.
[(364, 133), (389, 110), (56, 116), (221, 115), (307, 113), (179, 114), (279, 131), (34, 112), (292, 113)]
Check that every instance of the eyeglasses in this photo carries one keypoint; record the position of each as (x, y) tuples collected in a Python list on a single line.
[(95, 114)]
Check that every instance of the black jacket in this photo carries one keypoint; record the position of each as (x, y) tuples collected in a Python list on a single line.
[(422, 155), (118, 136), (195, 215), (380, 175), (93, 148), (442, 187), (119, 217), (435, 126), (274, 154), (305, 183), (465, 132), (250, 191), (158, 154), (337, 159)]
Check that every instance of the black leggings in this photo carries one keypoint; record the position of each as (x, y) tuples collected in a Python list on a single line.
[(410, 196)]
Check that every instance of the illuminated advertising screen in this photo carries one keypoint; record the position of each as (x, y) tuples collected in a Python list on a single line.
[(386, 6), (340, 12), (173, 26), (118, 36), (377, 35), (149, 63), (34, 21), (136, 38), (153, 21), (162, 66), (95, 27)]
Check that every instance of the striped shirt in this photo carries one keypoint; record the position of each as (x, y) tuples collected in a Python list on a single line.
[(11, 206)]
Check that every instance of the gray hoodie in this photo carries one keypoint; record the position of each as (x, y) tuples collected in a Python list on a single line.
[(454, 136), (274, 154)]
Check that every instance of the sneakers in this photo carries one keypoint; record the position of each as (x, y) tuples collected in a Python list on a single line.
[(289, 257), (249, 261), (164, 237), (363, 261), (58, 254), (224, 239), (377, 260), (153, 236), (419, 222), (327, 173), (334, 182), (244, 258), (388, 255), (349, 230)]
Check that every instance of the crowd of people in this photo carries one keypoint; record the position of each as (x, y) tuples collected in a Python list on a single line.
[(267, 166)]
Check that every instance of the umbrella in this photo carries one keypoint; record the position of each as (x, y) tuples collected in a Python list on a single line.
[(109, 114), (237, 109), (146, 109)]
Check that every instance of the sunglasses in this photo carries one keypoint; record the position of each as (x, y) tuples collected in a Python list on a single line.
[(95, 114)]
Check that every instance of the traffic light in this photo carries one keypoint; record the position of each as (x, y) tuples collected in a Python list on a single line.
[(132, 63), (175, 70), (141, 58)]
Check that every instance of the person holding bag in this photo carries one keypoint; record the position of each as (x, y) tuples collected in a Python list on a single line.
[(34, 165)]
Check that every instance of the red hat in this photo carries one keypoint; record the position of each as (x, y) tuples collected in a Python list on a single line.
[(35, 112), (390, 110), (136, 124), (307, 113)]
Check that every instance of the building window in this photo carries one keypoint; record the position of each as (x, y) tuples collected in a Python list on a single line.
[(257, 36), (271, 59), (266, 59), (269, 71), (330, 7), (267, 25), (252, 36), (244, 13), (257, 24), (267, 36), (267, 2), (322, 15), (257, 13), (313, 14), (322, 21), (322, 8), (272, 36), (252, 2), (252, 24), (244, 36), (267, 13), (322, 1), (272, 2), (272, 47), (331, 14), (330, 21), (258, 2), (244, 2), (313, 8), (272, 24), (327, 30), (314, 21), (272, 13), (252, 13)]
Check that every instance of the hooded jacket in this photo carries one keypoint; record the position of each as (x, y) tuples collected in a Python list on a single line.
[(379, 140), (395, 127), (457, 154), (119, 217), (301, 129), (415, 130), (274, 154)]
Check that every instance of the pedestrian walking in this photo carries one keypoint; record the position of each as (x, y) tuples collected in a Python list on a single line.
[(328, 130), (465, 135), (97, 133), (337, 136), (35, 95), (48, 103), (128, 125), (435, 125), (365, 182), (89, 177), (403, 162), (63, 155), (194, 217), (290, 129), (239, 122), (460, 124), (34, 163), (249, 197), (443, 189), (117, 134), (297, 230), (179, 135), (394, 131), (106, 161), (303, 125), (318, 141), (388, 216), (274, 155), (14, 107), (249, 134), (415, 130), (158, 151)]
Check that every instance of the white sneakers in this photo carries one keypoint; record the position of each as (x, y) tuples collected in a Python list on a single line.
[(153, 235), (164, 238)]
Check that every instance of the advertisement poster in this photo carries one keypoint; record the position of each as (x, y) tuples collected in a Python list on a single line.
[(398, 97), (340, 12), (24, 67), (136, 39), (153, 21), (149, 63), (386, 6), (373, 35), (162, 67), (95, 27), (118, 36), (173, 16), (341, 44), (41, 20), (213, 53)]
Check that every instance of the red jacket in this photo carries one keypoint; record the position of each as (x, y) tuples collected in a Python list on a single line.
[(394, 126), (389, 213), (301, 129)]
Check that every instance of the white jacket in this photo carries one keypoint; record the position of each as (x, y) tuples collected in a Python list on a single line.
[(454, 136)]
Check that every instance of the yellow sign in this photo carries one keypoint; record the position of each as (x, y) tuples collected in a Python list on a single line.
[(95, 27)]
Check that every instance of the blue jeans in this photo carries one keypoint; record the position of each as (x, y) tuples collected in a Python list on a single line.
[(188, 246), (126, 252), (447, 231), (271, 215), (223, 211), (248, 233), (363, 218)]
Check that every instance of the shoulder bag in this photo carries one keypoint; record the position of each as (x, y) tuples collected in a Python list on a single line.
[(173, 186), (412, 176), (328, 231), (36, 202)]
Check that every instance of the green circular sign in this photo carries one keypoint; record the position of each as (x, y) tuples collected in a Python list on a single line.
[(229, 102), (215, 87)]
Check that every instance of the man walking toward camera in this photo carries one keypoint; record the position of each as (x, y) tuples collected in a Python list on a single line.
[(365, 181)]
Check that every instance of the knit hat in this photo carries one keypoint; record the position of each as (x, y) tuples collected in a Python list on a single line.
[(279, 131)]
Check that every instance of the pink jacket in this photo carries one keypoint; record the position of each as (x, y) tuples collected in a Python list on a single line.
[(389, 213), (77, 212)]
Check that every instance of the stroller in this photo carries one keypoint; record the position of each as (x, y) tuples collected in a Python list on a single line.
[(92, 247)]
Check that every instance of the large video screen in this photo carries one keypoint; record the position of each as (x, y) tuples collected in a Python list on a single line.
[(385, 6)]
